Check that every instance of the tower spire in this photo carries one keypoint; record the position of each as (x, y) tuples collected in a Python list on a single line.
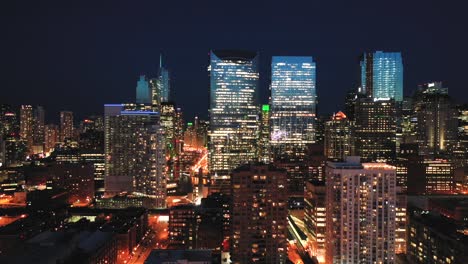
[(160, 60)]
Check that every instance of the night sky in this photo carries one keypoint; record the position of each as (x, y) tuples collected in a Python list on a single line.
[(78, 55)]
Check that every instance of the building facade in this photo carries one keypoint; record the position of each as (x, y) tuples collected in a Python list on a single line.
[(134, 150), (293, 103), (361, 207), (375, 129), (382, 75), (66, 125), (258, 215), (233, 109), (339, 137)]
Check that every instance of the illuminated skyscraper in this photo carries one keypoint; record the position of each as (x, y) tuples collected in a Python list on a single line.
[(27, 125), (39, 128), (375, 129), (382, 75), (293, 102), (168, 119), (164, 82), (66, 125), (52, 136), (134, 151), (435, 113), (360, 212), (233, 109), (339, 137), (143, 91), (264, 148)]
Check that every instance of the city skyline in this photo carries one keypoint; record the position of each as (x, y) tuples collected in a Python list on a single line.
[(109, 75)]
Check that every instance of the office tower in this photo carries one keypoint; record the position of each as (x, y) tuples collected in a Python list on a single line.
[(8, 121), (339, 137), (183, 227), (315, 218), (320, 129), (164, 83), (258, 215), (233, 109), (39, 126), (66, 125), (436, 119), (155, 95), (293, 103), (27, 125), (431, 177), (134, 151), (143, 91), (350, 103), (91, 146), (264, 148), (375, 129), (179, 130), (52, 136), (408, 123), (361, 202), (382, 75), (168, 120)]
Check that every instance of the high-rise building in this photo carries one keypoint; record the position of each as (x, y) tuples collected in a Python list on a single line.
[(382, 75), (339, 137), (264, 148), (143, 91), (27, 125), (233, 109), (315, 218), (375, 129), (258, 215), (164, 82), (168, 120), (350, 103), (52, 136), (66, 125), (360, 212), (436, 119), (39, 127), (293, 103), (8, 121), (134, 151)]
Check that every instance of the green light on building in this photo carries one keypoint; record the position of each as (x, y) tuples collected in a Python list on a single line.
[(189, 124), (266, 108)]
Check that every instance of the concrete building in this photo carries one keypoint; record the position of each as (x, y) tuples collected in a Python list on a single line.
[(360, 209)]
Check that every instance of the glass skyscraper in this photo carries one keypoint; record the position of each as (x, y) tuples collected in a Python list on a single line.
[(382, 75), (163, 82), (143, 91), (293, 101), (233, 109)]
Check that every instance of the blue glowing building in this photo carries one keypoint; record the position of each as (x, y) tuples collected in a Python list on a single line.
[(293, 101), (382, 75), (143, 91), (164, 85)]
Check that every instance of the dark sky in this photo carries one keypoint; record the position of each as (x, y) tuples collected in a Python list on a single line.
[(78, 55)]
